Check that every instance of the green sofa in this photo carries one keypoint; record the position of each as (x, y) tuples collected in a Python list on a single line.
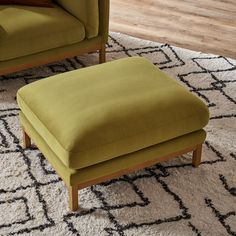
[(31, 36)]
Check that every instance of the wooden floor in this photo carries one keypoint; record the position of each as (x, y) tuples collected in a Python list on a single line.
[(200, 25)]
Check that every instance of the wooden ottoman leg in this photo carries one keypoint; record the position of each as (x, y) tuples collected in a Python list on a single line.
[(73, 198), (26, 140), (102, 54), (197, 153)]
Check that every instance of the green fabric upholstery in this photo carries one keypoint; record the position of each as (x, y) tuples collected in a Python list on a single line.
[(109, 110), (104, 11), (28, 30), (32, 59), (2, 32), (84, 45), (77, 177), (87, 11)]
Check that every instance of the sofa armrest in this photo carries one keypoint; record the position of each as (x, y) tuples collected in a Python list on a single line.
[(104, 11)]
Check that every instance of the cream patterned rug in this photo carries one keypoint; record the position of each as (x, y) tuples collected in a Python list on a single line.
[(171, 199)]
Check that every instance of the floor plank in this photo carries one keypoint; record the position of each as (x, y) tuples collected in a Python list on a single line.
[(203, 25)]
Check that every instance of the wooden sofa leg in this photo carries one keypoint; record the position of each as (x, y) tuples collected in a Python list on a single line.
[(102, 54), (197, 154), (26, 140), (73, 198)]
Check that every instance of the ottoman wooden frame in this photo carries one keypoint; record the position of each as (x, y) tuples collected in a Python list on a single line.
[(73, 190)]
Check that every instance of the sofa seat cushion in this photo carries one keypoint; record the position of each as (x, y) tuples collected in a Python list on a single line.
[(27, 30), (95, 114)]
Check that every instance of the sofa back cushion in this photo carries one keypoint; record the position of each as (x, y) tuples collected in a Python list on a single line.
[(39, 3), (87, 11)]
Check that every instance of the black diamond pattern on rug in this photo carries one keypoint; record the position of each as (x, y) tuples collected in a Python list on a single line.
[(171, 198)]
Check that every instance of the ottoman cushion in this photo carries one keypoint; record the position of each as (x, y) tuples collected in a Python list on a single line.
[(91, 115)]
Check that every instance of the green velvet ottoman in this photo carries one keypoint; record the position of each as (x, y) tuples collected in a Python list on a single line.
[(101, 122)]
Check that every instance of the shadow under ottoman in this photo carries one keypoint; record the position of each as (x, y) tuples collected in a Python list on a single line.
[(101, 122)]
